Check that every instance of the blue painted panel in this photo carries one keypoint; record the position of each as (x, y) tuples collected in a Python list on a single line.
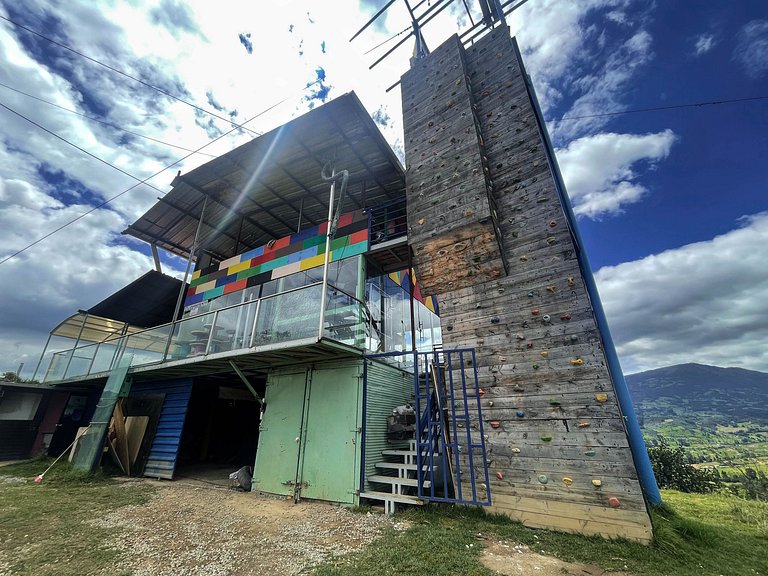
[(165, 445)]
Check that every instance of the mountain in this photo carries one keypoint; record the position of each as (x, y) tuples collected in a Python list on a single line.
[(735, 393)]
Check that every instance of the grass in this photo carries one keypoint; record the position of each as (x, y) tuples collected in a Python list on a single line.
[(44, 528), (695, 534)]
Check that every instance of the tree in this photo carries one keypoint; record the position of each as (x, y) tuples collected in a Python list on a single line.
[(671, 468)]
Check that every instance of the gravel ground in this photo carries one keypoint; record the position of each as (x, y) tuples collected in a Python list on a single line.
[(192, 529)]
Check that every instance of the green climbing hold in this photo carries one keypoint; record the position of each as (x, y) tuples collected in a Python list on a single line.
[(589, 453), (543, 478), (546, 438)]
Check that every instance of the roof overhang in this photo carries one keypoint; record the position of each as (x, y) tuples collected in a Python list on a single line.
[(271, 186)]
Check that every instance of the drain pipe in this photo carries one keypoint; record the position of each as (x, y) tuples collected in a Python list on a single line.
[(634, 434)]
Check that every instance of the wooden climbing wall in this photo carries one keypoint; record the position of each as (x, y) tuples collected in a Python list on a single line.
[(490, 238)]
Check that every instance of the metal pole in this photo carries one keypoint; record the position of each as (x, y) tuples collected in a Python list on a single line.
[(327, 257), (79, 334), (156, 258), (45, 349), (179, 300)]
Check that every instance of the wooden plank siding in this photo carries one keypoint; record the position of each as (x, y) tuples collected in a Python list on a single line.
[(490, 239)]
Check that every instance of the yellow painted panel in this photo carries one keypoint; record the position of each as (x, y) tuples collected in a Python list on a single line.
[(313, 262), (239, 267)]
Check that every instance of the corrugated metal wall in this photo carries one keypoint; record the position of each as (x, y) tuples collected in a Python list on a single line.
[(165, 445), (388, 387)]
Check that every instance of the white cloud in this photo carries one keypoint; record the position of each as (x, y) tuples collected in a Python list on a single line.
[(704, 302), (752, 48), (603, 90), (703, 44), (600, 170)]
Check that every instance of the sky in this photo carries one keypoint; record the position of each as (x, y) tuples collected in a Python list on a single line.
[(672, 203)]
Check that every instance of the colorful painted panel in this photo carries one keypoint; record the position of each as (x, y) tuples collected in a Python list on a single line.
[(279, 258), (401, 279)]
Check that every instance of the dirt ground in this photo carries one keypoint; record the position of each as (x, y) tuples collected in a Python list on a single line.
[(195, 528)]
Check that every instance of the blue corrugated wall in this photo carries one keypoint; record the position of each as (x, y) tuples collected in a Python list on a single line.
[(165, 446)]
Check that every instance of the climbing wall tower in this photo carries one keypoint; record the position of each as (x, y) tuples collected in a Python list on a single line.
[(490, 237)]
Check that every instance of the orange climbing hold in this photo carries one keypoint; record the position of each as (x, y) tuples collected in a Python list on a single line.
[(584, 424), (481, 392), (577, 361)]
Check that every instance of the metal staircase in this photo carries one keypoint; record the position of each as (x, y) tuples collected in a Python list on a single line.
[(403, 486), (446, 461)]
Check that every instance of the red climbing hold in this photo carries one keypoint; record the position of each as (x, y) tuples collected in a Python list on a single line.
[(613, 502), (495, 424), (500, 475)]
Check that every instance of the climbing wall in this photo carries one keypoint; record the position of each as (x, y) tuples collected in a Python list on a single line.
[(490, 238)]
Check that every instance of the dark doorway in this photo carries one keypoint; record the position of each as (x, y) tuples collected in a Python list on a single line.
[(221, 432)]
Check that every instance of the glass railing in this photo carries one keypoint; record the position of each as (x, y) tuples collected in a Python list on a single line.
[(286, 317)]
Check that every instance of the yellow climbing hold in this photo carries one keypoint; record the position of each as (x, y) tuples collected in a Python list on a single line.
[(577, 361), (571, 281), (584, 424), (523, 258), (567, 481), (544, 354), (468, 213), (601, 397), (597, 483), (551, 288), (421, 221)]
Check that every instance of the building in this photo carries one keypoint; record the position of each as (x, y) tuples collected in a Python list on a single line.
[(331, 287)]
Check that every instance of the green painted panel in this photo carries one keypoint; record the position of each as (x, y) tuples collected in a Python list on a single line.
[(278, 451), (388, 387), (331, 458)]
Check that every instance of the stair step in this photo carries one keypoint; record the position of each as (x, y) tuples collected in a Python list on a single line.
[(396, 465), (393, 480), (392, 498), (398, 453)]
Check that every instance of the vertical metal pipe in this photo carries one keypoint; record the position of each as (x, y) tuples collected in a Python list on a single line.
[(182, 290), (156, 258), (327, 256)]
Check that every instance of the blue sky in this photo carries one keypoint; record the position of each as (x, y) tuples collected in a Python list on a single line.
[(672, 204)]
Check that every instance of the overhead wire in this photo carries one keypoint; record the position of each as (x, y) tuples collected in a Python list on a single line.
[(140, 181), (105, 123), (672, 107), (122, 73)]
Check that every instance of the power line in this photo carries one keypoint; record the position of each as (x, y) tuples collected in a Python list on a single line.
[(118, 71), (144, 181), (99, 120), (673, 107)]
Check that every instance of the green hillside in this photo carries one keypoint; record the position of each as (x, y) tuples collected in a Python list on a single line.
[(719, 414)]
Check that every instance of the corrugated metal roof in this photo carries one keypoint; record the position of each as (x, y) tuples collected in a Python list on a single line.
[(257, 192)]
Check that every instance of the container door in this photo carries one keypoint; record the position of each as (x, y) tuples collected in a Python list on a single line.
[(277, 456), (330, 459)]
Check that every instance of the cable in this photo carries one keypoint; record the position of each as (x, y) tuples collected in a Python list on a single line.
[(379, 45), (691, 105), (115, 126), (117, 71), (48, 235)]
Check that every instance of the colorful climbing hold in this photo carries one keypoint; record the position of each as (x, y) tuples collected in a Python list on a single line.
[(546, 438), (529, 345), (535, 311), (597, 483), (567, 481), (500, 475), (601, 397), (554, 402), (544, 353), (613, 502), (421, 221), (532, 293), (552, 223), (584, 424), (546, 317), (495, 424), (589, 453), (565, 316), (535, 366), (571, 281), (515, 450), (481, 392), (523, 258), (577, 361), (520, 413), (543, 478), (551, 288)]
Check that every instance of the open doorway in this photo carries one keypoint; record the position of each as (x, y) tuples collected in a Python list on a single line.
[(221, 431)]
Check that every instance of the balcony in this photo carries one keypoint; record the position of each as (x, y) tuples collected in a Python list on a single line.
[(280, 328)]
